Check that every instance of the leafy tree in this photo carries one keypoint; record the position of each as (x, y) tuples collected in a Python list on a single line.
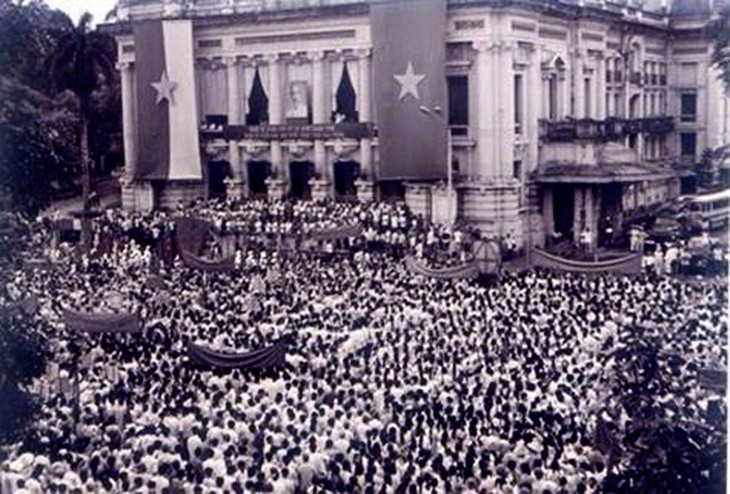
[(719, 31), (27, 160), (661, 450), (705, 169), (23, 357), (82, 63)]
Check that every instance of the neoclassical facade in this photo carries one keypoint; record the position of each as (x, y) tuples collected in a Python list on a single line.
[(563, 115)]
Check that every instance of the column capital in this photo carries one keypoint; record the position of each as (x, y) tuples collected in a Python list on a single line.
[(271, 58), (363, 53), (506, 46), (482, 45), (316, 55), (231, 60), (124, 65)]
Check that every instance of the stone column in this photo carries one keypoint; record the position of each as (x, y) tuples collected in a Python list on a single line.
[(277, 183), (591, 220), (366, 150), (237, 184), (600, 87), (275, 103), (533, 103), (506, 105), (563, 94), (319, 117), (485, 135), (233, 93), (366, 183), (128, 119), (318, 87), (577, 212), (579, 103), (548, 214)]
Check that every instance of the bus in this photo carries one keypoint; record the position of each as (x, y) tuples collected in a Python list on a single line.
[(711, 210)]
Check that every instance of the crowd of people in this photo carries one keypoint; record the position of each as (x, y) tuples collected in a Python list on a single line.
[(392, 383)]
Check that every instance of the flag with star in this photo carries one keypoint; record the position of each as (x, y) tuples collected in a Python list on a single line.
[(166, 110), (409, 82)]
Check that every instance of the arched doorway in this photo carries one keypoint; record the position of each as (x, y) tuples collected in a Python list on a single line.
[(258, 172), (345, 174), (218, 171), (299, 174)]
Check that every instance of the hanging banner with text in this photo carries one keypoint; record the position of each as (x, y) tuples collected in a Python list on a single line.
[(298, 132)]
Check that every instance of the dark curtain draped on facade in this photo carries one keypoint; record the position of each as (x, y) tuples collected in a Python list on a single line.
[(191, 234), (346, 98), (258, 103)]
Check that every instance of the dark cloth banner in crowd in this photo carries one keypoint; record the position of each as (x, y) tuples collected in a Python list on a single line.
[(226, 264), (409, 74), (340, 232), (630, 264), (25, 306), (191, 234), (66, 224), (124, 322), (715, 379), (270, 356), (467, 270), (37, 264), (154, 282)]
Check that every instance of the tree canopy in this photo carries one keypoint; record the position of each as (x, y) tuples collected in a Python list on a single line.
[(719, 31), (40, 117)]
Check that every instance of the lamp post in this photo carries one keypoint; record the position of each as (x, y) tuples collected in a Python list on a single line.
[(436, 113)]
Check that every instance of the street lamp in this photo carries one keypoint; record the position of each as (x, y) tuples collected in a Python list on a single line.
[(436, 113)]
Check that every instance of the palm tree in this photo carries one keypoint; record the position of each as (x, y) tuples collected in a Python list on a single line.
[(84, 59)]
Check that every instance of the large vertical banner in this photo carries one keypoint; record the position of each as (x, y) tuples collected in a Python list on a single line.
[(409, 38), (167, 120)]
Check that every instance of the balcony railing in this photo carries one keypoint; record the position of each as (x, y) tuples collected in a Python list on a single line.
[(612, 128)]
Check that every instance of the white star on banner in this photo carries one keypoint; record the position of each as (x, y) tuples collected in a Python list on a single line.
[(164, 88), (409, 82)]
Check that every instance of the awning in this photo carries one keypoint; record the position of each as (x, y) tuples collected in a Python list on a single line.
[(571, 173)]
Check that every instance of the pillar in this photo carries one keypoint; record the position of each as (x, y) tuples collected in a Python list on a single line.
[(600, 88), (591, 219), (233, 92), (318, 87), (238, 183), (548, 214), (128, 119), (275, 118), (366, 150), (506, 105), (577, 212), (579, 96), (275, 103), (485, 108), (532, 106), (319, 112)]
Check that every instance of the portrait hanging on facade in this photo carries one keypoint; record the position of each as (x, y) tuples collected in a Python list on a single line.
[(298, 102)]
